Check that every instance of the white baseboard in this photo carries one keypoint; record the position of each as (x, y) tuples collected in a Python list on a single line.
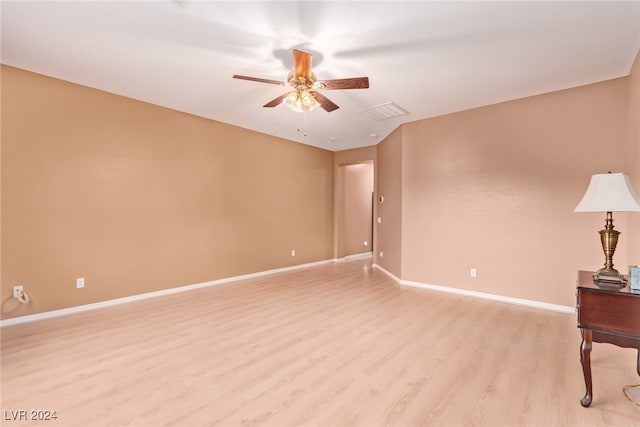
[(354, 257), (482, 295), (124, 300), (388, 273)]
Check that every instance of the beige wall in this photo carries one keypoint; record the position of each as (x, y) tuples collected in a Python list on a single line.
[(494, 189), (389, 184), (632, 233), (138, 198)]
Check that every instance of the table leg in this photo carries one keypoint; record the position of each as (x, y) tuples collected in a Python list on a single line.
[(585, 359)]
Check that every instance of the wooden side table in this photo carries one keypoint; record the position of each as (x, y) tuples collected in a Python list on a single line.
[(605, 315)]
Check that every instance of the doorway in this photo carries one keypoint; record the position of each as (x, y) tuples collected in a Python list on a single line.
[(354, 208)]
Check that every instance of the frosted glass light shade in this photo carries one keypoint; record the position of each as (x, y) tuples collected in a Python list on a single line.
[(609, 192), (301, 100)]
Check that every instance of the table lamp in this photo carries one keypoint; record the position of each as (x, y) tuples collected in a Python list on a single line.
[(609, 192)]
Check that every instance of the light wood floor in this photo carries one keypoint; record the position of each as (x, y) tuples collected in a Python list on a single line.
[(339, 344)]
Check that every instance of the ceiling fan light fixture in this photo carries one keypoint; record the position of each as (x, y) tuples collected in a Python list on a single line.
[(301, 99), (304, 96)]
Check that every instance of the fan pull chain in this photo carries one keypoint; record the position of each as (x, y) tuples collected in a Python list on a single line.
[(304, 124)]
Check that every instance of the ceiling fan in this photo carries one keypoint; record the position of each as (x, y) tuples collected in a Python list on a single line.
[(305, 95)]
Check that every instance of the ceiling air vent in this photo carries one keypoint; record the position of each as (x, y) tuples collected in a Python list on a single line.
[(384, 111)]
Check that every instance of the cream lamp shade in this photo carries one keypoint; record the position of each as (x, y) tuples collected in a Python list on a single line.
[(609, 192)]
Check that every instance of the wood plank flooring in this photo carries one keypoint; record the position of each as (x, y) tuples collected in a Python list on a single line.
[(334, 345)]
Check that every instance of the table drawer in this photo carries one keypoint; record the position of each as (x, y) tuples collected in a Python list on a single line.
[(617, 312)]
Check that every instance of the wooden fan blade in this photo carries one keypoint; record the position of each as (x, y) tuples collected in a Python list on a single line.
[(276, 101), (257, 79), (302, 64), (353, 83), (325, 102)]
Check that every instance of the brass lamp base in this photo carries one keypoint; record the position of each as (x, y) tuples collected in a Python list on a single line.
[(609, 278)]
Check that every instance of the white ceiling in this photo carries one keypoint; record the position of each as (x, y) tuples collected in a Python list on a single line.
[(430, 58)]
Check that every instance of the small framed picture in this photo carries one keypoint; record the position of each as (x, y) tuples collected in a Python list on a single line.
[(634, 278)]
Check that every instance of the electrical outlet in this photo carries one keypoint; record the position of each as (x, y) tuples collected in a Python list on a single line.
[(381, 254), (366, 243), (473, 272), (80, 282), (379, 220), (17, 290), (293, 252)]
